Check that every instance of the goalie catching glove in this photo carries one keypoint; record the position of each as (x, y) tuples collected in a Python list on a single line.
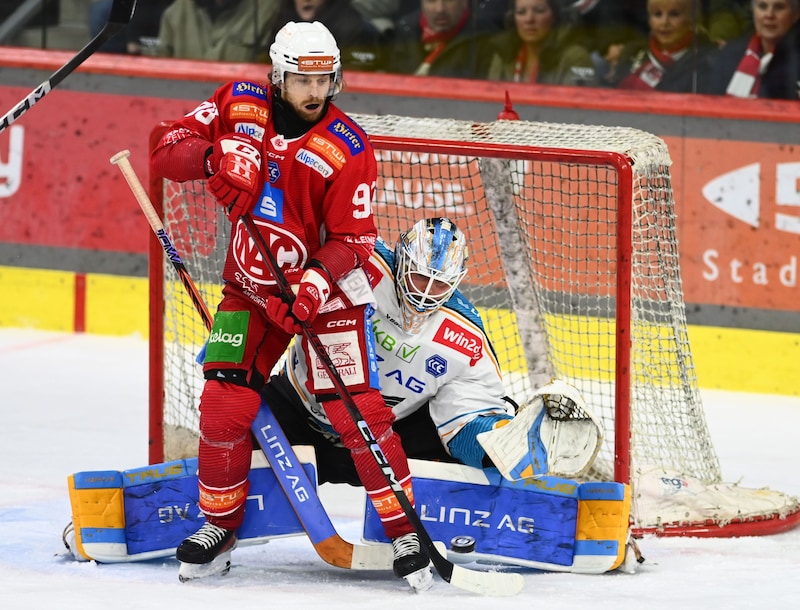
[(554, 434), (233, 166)]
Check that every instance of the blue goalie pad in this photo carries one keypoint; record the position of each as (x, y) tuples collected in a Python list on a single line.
[(546, 523), (145, 513)]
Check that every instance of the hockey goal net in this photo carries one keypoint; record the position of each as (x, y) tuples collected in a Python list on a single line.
[(574, 267)]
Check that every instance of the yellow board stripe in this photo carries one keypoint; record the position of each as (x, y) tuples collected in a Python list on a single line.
[(733, 359)]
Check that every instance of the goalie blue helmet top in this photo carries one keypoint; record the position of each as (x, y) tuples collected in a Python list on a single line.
[(431, 262)]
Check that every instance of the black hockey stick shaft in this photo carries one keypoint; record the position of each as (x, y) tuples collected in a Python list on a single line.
[(120, 16), (482, 582), (121, 161)]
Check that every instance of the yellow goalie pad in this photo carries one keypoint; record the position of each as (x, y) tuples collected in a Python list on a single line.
[(603, 519)]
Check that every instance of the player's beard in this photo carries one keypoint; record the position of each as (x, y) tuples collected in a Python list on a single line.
[(310, 115)]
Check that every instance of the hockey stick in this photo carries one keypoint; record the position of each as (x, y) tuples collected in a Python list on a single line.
[(329, 545), (120, 16), (489, 583), (121, 161), (301, 493)]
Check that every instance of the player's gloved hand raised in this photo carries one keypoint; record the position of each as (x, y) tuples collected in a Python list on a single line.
[(312, 293), (278, 312), (233, 165)]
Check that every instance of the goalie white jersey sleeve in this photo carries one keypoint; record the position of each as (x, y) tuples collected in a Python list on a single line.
[(449, 363)]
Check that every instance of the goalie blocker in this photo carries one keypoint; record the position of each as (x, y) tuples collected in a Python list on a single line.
[(548, 523)]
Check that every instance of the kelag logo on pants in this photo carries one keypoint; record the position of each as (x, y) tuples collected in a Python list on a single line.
[(226, 342)]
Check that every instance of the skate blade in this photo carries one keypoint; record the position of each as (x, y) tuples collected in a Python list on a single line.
[(421, 580), (219, 566)]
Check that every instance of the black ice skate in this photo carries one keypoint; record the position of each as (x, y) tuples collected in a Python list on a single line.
[(411, 564), (207, 552)]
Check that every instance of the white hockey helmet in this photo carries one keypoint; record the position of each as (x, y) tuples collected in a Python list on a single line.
[(306, 48), (431, 262)]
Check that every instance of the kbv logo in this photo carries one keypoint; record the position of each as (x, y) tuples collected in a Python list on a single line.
[(737, 193), (11, 170)]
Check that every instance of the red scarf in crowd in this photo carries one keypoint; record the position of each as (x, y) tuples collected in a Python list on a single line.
[(519, 66), (435, 42), (649, 74), (747, 78)]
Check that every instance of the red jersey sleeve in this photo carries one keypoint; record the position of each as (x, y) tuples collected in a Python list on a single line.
[(180, 154)]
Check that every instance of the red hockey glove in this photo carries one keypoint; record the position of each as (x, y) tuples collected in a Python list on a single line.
[(278, 312), (314, 290), (234, 169)]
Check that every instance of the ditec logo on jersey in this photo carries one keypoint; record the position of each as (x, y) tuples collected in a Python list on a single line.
[(751, 253)]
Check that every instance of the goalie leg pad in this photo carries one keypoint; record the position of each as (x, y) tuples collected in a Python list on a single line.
[(145, 513)]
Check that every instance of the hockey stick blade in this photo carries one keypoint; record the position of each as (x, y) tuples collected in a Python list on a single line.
[(486, 583), (120, 16), (294, 481)]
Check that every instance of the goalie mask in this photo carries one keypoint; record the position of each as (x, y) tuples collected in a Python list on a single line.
[(431, 262), (307, 49)]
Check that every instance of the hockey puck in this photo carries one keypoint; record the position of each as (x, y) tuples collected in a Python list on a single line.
[(462, 544)]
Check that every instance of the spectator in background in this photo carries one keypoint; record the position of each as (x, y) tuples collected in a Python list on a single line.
[(604, 27), (138, 36), (739, 68), (358, 38), (217, 30), (537, 47), (782, 77), (440, 39), (675, 58)]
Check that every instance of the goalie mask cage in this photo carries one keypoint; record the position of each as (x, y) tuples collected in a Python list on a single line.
[(574, 267)]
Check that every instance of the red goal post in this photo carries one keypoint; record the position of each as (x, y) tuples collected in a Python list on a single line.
[(574, 267)]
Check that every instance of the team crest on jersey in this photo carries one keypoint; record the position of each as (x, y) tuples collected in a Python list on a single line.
[(306, 157), (348, 136), (245, 111), (327, 149), (248, 88), (289, 251), (279, 143), (460, 339)]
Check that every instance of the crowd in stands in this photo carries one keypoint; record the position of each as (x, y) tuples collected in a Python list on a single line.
[(742, 48)]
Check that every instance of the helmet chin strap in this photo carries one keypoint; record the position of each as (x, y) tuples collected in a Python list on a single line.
[(287, 122)]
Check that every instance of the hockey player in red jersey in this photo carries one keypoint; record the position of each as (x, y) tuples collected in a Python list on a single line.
[(305, 173)]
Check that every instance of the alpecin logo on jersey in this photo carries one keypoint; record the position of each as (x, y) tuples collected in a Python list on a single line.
[(347, 135), (289, 251), (460, 339), (315, 162), (248, 88)]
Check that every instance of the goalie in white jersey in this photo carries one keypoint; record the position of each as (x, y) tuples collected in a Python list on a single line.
[(439, 375)]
